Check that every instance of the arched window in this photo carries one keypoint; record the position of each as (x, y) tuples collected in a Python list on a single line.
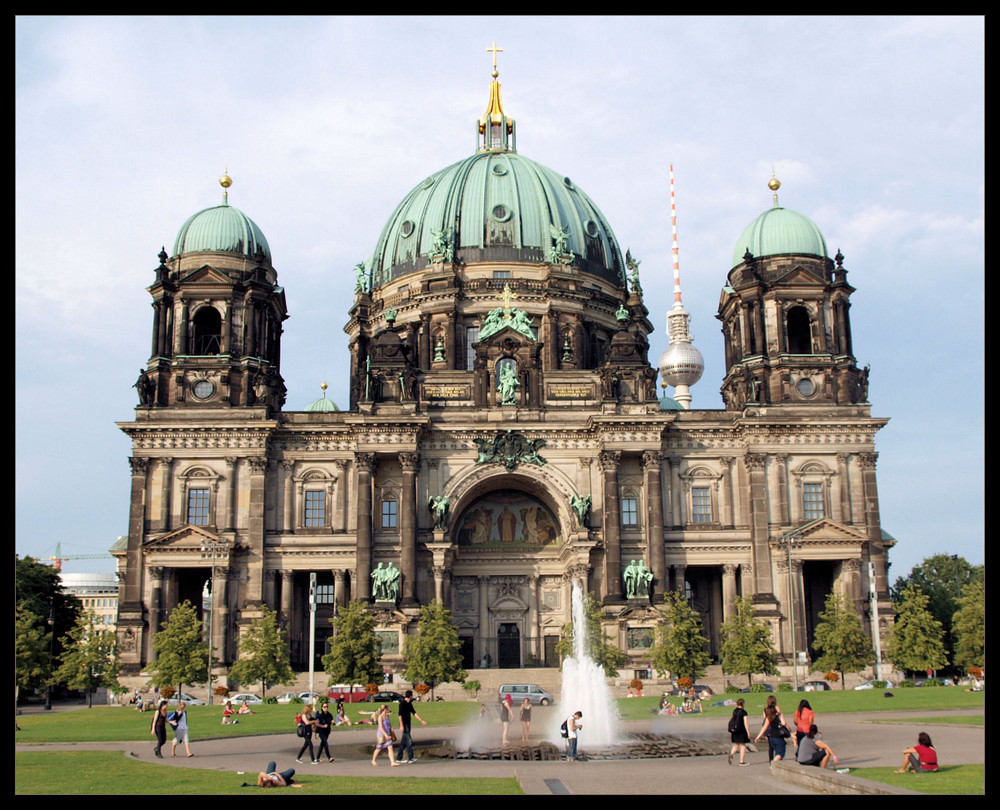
[(798, 331), (207, 323)]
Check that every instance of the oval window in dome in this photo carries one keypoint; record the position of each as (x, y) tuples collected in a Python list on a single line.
[(499, 169), (591, 228), (501, 213), (567, 182), (427, 183), (407, 228)]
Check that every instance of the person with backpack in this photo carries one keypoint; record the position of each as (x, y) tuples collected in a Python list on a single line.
[(739, 732), (304, 724), (570, 730)]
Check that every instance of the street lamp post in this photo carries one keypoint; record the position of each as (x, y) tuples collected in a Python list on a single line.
[(210, 549)]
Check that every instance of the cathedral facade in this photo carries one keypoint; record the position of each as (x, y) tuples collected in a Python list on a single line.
[(504, 437)]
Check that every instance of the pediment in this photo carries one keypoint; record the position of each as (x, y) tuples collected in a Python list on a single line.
[(508, 604), (825, 530), (506, 337), (207, 275), (799, 275), (187, 539)]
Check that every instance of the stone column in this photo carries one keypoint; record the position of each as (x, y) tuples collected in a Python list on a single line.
[(843, 503), (781, 464), (728, 590), (654, 524), (484, 616), (339, 520), (610, 460), (288, 508), (728, 502), (136, 531), (676, 514), (155, 606), (873, 522), (181, 322), (761, 553), (229, 495), (166, 487), (220, 607), (680, 578), (287, 598), (364, 464), (339, 593), (410, 463), (255, 530)]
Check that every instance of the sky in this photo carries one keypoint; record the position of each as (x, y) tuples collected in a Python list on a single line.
[(873, 125)]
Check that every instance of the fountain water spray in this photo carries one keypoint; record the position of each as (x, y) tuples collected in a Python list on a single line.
[(584, 687)]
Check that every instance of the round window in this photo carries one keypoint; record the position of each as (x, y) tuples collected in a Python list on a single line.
[(806, 387), (203, 389), (501, 213), (499, 169), (591, 228), (407, 228), (567, 182)]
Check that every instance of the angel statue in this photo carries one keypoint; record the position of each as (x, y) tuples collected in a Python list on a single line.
[(438, 504), (581, 505)]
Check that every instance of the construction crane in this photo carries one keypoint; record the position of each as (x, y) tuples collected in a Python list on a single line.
[(58, 559)]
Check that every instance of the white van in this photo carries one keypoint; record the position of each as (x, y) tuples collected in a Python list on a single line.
[(519, 691)]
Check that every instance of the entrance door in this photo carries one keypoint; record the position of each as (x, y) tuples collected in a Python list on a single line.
[(508, 646)]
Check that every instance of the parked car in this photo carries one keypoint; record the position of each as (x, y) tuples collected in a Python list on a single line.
[(871, 685), (247, 696), (814, 686), (309, 697), (347, 692), (385, 697), (188, 699), (287, 697), (532, 691)]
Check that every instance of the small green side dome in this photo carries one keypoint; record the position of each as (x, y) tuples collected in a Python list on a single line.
[(778, 231), (496, 206), (322, 405), (221, 229), (670, 404)]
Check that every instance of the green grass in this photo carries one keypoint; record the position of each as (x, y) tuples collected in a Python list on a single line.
[(953, 780), (109, 773), (953, 720), (867, 701), (114, 723)]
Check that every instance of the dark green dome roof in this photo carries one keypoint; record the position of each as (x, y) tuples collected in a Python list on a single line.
[(222, 229)]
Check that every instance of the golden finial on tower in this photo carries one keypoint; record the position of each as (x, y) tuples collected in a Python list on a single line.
[(774, 184), (323, 385), (495, 50), (225, 181)]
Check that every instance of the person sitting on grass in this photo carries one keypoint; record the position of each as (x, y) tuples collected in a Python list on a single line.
[(342, 719), (921, 758)]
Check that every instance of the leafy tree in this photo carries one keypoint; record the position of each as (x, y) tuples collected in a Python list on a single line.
[(89, 658), (181, 651), (916, 641), (32, 663), (942, 577), (434, 655), (39, 589), (355, 652), (264, 654), (747, 647), (969, 627), (680, 644), (472, 689), (597, 644), (839, 638)]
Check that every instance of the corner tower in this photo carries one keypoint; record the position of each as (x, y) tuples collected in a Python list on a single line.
[(785, 317)]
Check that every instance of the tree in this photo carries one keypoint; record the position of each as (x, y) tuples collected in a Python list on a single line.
[(942, 578), (39, 589), (89, 659), (680, 644), (355, 652), (434, 655), (747, 648), (32, 663), (916, 641), (181, 651), (969, 627), (597, 644), (840, 640), (264, 654)]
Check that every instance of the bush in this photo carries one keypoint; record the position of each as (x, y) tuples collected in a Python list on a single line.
[(832, 677), (930, 682), (732, 690), (222, 691), (422, 689), (684, 683), (906, 684), (758, 687), (785, 687), (636, 685), (880, 685), (371, 688), (975, 672), (272, 700), (167, 692), (295, 699)]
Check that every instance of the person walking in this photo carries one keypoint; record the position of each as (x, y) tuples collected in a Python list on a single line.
[(406, 712), (179, 722), (573, 726), (739, 731), (324, 723), (525, 719), (384, 737), (776, 731), (305, 723), (159, 727), (803, 718)]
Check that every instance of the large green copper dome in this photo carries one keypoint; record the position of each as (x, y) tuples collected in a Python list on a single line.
[(221, 229), (497, 206)]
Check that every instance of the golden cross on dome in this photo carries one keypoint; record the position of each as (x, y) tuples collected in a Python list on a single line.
[(495, 51)]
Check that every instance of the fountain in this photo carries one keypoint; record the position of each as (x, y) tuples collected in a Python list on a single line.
[(585, 688)]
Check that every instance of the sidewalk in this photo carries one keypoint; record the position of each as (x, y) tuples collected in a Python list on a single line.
[(857, 740)]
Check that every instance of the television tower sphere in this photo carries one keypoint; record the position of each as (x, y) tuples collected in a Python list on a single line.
[(681, 364)]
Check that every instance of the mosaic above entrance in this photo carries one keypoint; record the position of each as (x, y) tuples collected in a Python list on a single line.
[(507, 519)]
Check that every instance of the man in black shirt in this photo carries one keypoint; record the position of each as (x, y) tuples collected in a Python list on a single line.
[(406, 711)]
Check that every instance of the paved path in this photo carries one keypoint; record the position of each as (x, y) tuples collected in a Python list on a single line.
[(857, 740)]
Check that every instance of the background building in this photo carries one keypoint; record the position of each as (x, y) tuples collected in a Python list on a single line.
[(96, 592), (503, 437)]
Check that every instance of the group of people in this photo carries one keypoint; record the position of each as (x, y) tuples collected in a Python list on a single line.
[(810, 747), (229, 713), (506, 708), (177, 720)]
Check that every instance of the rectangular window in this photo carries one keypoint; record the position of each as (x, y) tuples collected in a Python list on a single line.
[(501, 274), (630, 515), (701, 505), (197, 507), (315, 508), (471, 336), (388, 514), (812, 501), (324, 594)]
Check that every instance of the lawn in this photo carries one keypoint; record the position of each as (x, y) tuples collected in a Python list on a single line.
[(953, 780), (110, 773)]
